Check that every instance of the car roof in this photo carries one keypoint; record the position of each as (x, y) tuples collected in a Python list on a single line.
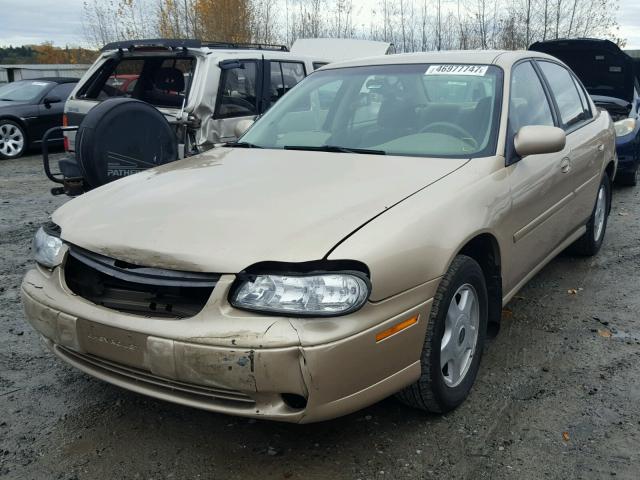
[(503, 58)]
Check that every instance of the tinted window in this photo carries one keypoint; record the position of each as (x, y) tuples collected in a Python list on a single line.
[(565, 92), (23, 91), (284, 76), (528, 104), (237, 92), (62, 91)]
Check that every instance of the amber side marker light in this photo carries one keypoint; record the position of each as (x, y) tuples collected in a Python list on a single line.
[(398, 327)]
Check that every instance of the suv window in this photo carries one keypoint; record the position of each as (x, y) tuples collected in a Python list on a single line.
[(238, 92), (162, 82), (62, 91), (565, 92), (528, 104), (284, 76)]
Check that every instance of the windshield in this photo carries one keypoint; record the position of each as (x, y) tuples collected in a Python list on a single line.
[(23, 91), (416, 110)]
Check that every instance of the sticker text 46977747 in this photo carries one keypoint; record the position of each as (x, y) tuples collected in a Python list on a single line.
[(450, 69)]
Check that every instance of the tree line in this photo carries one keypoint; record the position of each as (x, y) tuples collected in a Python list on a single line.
[(411, 25), (45, 53)]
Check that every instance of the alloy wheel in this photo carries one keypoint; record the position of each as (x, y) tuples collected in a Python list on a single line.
[(460, 335), (11, 140), (600, 213)]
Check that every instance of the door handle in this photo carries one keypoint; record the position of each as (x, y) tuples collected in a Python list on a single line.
[(601, 147), (565, 165)]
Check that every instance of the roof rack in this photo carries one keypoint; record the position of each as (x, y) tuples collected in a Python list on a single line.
[(183, 44), (154, 43), (246, 46)]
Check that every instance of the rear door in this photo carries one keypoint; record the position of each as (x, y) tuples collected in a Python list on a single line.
[(585, 139)]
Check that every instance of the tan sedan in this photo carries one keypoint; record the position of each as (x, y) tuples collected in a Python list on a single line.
[(358, 242)]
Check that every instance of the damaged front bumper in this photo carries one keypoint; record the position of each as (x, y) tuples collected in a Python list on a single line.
[(236, 362)]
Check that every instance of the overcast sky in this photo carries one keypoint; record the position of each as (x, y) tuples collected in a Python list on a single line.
[(36, 21)]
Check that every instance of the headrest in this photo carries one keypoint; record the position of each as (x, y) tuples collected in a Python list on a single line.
[(169, 78)]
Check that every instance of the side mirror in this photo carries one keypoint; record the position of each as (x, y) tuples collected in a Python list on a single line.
[(539, 139), (242, 126), (49, 100)]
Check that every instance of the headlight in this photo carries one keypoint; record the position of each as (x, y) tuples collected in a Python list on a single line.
[(321, 295), (624, 127), (46, 248)]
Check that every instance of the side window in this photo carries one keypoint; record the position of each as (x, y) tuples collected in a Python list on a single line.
[(317, 65), (565, 92), (237, 91), (284, 76), (292, 73), (528, 104), (62, 91), (586, 108)]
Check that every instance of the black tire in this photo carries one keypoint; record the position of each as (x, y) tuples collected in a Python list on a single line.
[(12, 149), (588, 245), (431, 392), (628, 179), (122, 136)]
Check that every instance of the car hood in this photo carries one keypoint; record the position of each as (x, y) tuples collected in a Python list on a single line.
[(602, 67), (227, 209)]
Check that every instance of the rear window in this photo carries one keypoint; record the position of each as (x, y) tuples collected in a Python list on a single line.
[(163, 82)]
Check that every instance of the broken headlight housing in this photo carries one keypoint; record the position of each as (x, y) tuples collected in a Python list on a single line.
[(624, 127), (47, 245), (307, 295)]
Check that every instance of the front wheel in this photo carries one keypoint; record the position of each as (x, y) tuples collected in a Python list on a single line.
[(13, 141), (589, 244), (454, 341)]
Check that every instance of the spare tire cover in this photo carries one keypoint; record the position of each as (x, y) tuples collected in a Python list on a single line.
[(122, 136)]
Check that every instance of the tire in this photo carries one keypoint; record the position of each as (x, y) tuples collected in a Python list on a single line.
[(628, 179), (589, 244), (13, 140), (438, 389)]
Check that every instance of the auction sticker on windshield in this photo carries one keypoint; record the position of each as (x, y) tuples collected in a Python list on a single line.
[(476, 70)]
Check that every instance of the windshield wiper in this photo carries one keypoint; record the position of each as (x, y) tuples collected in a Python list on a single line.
[(6, 99), (335, 148), (241, 145)]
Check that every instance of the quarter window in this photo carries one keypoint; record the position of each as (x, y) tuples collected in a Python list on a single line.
[(565, 92), (528, 104)]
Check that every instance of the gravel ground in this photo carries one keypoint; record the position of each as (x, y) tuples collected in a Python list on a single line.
[(557, 396)]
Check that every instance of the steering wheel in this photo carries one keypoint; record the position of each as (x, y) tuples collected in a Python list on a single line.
[(447, 128)]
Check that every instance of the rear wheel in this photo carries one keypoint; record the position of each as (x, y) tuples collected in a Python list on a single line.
[(13, 141), (589, 244), (454, 341)]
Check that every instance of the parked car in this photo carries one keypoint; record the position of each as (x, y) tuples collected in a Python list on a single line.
[(358, 241), (206, 92), (28, 108), (608, 74)]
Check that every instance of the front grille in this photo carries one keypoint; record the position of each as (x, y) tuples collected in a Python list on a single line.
[(159, 384), (135, 289)]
